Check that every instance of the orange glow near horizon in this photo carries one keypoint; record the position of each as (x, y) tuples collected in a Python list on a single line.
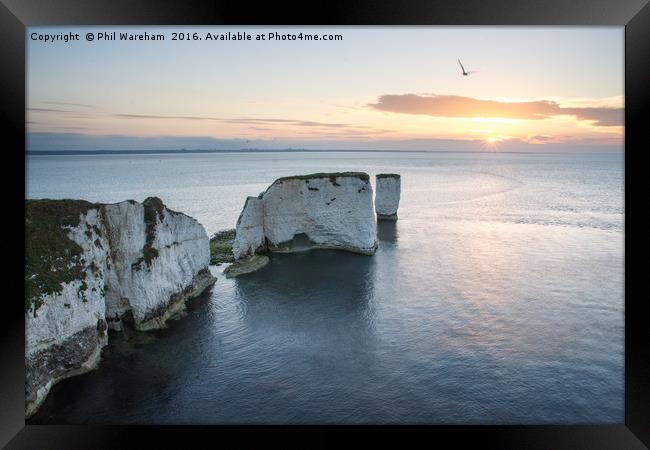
[(368, 89), (364, 124)]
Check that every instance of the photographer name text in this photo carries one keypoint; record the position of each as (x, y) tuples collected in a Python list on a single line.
[(110, 36)]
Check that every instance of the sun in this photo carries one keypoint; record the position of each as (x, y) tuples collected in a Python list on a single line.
[(491, 142)]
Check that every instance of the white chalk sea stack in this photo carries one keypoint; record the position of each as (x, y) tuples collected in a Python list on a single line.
[(323, 210), (387, 197), (89, 267), (250, 229)]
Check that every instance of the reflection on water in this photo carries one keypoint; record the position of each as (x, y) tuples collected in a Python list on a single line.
[(387, 232), (497, 297), (304, 286)]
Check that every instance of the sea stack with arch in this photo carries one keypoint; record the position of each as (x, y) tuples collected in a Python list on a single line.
[(320, 210), (387, 196)]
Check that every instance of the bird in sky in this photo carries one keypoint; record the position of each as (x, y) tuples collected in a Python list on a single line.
[(465, 73)]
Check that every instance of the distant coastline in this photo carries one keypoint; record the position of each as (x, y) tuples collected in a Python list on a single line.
[(286, 150), (252, 150)]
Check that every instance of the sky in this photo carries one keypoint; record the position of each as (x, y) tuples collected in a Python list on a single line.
[(385, 88)]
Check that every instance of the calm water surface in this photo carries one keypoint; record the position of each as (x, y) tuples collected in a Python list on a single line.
[(496, 298)]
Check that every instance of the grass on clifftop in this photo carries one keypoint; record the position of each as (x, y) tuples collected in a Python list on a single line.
[(388, 175), (331, 175), (51, 257), (221, 247)]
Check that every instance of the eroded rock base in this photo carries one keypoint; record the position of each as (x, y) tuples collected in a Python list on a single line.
[(244, 266)]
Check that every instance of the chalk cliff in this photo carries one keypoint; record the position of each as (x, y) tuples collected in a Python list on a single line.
[(387, 197), (88, 267), (323, 210), (249, 235)]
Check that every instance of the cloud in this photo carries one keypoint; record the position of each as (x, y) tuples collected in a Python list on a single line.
[(315, 126), (299, 123), (82, 105), (49, 110), (264, 121), (603, 117), (540, 139), (467, 107), (155, 116)]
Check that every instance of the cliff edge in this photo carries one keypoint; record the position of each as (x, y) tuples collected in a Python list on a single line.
[(90, 267)]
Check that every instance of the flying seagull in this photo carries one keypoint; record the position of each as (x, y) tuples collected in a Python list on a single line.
[(464, 72)]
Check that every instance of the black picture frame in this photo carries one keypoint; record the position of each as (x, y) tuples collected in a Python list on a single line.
[(15, 15)]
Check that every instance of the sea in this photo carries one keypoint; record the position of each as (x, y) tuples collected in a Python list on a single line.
[(497, 297)]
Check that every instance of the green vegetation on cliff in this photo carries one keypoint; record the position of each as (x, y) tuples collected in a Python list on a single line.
[(331, 175), (221, 247), (51, 257), (153, 212)]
